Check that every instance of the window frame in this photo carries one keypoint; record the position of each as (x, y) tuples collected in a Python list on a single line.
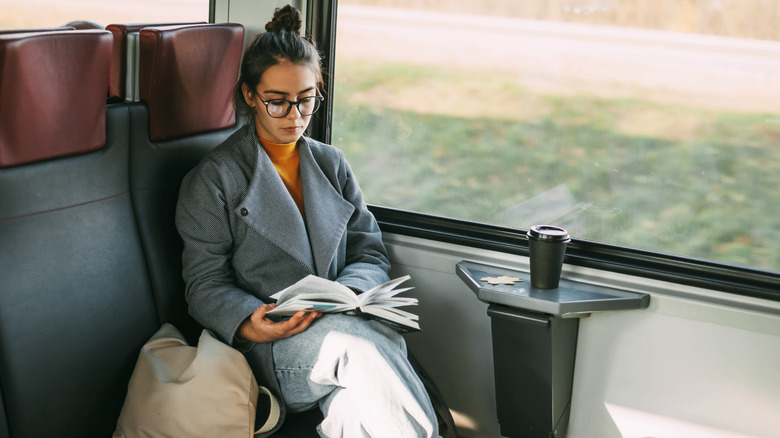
[(321, 24)]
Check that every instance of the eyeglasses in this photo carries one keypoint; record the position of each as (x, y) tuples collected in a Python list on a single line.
[(278, 108)]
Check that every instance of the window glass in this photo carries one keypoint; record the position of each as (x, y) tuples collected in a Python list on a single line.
[(653, 125), (26, 14)]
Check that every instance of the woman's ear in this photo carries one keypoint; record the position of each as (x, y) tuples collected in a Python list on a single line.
[(248, 95)]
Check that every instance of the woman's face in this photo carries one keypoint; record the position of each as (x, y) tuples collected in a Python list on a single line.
[(287, 81)]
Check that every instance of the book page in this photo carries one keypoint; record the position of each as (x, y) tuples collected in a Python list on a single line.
[(314, 293), (396, 316), (383, 291)]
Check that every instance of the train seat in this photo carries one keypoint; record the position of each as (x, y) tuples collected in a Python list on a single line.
[(76, 304), (83, 25), (46, 84), (123, 77), (34, 30), (188, 73), (189, 78)]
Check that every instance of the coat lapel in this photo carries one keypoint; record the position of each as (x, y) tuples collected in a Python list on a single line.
[(270, 210), (327, 212)]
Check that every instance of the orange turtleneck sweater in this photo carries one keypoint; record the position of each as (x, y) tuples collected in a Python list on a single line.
[(285, 160)]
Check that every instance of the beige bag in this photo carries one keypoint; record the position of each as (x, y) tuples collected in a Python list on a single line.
[(182, 391)]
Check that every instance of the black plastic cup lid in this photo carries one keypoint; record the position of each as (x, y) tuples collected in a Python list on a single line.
[(548, 233)]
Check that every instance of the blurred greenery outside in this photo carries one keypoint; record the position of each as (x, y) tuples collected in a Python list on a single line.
[(667, 178)]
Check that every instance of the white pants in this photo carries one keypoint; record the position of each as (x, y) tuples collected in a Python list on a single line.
[(359, 374)]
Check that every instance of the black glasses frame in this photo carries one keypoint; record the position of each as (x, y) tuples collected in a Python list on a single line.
[(290, 104)]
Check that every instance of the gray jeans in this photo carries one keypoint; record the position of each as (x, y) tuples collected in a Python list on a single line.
[(358, 373)]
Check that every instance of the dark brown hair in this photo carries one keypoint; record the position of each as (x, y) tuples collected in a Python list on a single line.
[(282, 40)]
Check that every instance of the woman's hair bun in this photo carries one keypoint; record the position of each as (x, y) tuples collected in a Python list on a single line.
[(287, 19)]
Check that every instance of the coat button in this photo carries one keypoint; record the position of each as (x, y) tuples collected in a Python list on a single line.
[(244, 212)]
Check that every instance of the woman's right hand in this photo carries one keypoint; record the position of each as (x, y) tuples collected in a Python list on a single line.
[(258, 328)]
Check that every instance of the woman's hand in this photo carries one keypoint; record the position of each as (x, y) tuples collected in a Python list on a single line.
[(260, 329)]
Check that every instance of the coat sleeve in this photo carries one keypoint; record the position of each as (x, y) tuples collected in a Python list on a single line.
[(366, 263), (203, 222)]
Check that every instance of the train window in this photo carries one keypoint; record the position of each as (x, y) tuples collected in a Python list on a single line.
[(54, 13), (649, 125)]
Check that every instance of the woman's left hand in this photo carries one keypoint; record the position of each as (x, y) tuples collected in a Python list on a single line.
[(260, 329)]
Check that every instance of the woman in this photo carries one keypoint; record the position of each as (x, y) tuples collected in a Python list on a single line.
[(265, 209)]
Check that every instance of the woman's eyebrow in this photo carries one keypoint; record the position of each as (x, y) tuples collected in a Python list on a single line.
[(284, 93)]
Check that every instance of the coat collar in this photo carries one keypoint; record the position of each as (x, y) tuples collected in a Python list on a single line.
[(271, 211)]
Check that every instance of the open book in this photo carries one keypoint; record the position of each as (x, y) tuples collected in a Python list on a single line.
[(313, 293)]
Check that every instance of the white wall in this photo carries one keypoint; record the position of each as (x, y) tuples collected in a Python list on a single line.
[(253, 14), (681, 368)]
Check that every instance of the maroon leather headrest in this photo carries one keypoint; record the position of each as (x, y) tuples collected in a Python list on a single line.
[(118, 75), (39, 29), (187, 76), (52, 94)]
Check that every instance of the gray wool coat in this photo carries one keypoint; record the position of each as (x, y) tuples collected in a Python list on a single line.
[(244, 238)]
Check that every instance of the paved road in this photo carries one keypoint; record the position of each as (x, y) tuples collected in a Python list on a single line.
[(666, 66)]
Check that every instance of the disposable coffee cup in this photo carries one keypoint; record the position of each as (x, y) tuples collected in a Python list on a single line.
[(547, 245)]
